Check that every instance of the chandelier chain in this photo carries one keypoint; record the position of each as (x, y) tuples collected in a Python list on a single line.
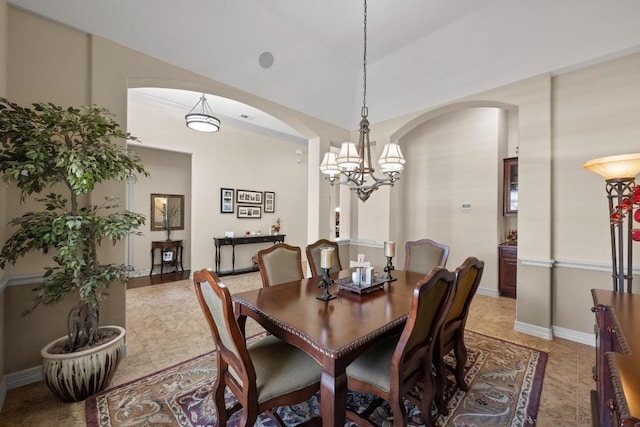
[(364, 65)]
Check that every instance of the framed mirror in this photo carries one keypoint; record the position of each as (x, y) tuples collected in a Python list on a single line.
[(167, 212)]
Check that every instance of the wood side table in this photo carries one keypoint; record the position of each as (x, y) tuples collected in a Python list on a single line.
[(170, 255)]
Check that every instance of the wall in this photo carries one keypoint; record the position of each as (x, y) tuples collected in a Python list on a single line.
[(169, 173), (230, 158), (3, 193), (454, 159)]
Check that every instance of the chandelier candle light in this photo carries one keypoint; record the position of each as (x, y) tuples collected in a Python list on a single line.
[(326, 262), (354, 161), (389, 252), (623, 194)]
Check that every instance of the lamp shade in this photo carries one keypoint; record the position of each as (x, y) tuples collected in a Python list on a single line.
[(611, 167), (348, 158), (201, 117), (329, 165), (391, 159)]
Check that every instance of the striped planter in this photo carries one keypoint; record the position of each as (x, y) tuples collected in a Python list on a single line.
[(75, 376)]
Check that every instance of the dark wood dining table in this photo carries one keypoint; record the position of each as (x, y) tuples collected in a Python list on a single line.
[(334, 332)]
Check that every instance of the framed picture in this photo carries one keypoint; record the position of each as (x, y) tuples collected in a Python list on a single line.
[(167, 256), (226, 200), (269, 202), (249, 212), (249, 197)]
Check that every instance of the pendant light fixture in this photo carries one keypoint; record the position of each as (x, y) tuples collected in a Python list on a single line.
[(201, 117), (354, 160)]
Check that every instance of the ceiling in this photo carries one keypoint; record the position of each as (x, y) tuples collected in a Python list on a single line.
[(420, 53)]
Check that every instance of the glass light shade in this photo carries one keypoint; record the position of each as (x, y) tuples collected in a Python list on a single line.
[(202, 122), (348, 158), (329, 164), (620, 166), (391, 159)]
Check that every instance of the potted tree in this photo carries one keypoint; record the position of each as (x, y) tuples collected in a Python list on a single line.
[(65, 152)]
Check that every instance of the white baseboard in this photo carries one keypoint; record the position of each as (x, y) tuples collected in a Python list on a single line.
[(576, 336), (536, 331), (488, 292), (24, 377)]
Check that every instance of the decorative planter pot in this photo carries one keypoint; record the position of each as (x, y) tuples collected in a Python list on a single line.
[(75, 376)]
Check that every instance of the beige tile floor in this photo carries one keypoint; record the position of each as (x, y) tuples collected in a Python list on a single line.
[(165, 326)]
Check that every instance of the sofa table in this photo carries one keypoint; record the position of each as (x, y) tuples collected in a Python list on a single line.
[(170, 254), (233, 242)]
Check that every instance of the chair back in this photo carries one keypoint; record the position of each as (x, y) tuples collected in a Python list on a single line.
[(423, 255), (468, 275), (431, 301), (313, 256), (234, 364), (280, 263)]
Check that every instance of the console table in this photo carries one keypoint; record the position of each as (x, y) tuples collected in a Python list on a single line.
[(616, 399), (233, 241), (167, 246)]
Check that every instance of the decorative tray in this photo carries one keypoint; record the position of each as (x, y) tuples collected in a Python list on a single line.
[(346, 284)]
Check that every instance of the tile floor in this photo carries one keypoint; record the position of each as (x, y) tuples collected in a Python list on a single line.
[(165, 326)]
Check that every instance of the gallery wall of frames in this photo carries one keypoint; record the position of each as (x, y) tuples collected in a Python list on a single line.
[(247, 203)]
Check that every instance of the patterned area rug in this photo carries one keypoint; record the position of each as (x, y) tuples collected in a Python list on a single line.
[(505, 384)]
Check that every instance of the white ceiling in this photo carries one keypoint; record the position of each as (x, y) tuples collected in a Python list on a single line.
[(420, 52)]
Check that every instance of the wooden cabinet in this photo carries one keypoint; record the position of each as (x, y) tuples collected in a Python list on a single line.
[(507, 269), (616, 399), (510, 187)]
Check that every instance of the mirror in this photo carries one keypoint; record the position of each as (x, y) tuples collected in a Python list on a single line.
[(167, 212)]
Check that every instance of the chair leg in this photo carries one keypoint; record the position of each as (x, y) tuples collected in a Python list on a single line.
[(428, 395), (218, 399), (440, 386), (399, 413), (461, 363)]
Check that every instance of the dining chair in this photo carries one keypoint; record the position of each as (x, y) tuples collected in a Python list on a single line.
[(423, 255), (280, 263), (313, 256), (391, 368), (261, 375), (468, 276)]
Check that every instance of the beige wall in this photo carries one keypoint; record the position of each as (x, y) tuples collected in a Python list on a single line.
[(3, 191), (169, 173)]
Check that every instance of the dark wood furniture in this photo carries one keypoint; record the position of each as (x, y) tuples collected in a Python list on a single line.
[(280, 263), (468, 277), (259, 374), (425, 254), (165, 247), (233, 242), (313, 256), (507, 270), (405, 357), (335, 332), (616, 399), (510, 187)]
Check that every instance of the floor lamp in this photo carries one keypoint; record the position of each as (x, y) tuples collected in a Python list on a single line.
[(619, 172)]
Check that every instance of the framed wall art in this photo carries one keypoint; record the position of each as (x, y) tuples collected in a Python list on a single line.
[(226, 200), (269, 202), (249, 197), (249, 212)]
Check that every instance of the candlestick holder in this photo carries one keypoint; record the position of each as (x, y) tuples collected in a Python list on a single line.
[(388, 269), (324, 284)]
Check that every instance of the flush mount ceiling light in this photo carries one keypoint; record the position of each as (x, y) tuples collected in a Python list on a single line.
[(201, 117), (354, 161)]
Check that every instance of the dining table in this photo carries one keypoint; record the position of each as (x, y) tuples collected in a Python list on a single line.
[(333, 332)]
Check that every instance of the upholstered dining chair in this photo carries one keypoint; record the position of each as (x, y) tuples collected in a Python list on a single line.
[(313, 256), (468, 277), (262, 375), (391, 368), (280, 263), (423, 255)]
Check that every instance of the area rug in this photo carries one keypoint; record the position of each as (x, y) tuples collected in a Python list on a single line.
[(505, 385)]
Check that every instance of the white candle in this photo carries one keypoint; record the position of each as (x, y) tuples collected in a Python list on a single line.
[(390, 249), (326, 258)]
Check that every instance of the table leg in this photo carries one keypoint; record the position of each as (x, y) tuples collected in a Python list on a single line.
[(233, 258), (153, 251), (217, 259), (333, 398)]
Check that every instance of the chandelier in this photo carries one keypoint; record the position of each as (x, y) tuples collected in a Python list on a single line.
[(354, 160), (202, 119)]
